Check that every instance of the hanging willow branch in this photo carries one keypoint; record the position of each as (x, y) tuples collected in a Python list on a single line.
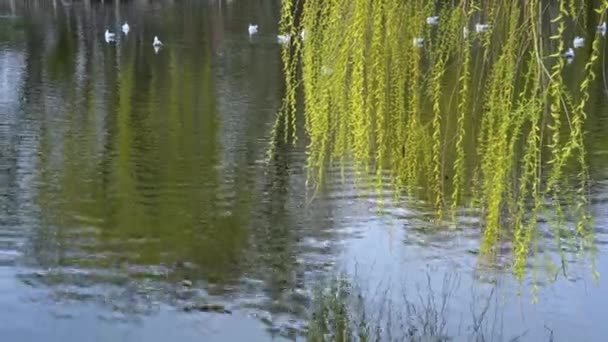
[(377, 100)]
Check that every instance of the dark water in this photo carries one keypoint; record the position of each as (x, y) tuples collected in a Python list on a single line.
[(128, 174)]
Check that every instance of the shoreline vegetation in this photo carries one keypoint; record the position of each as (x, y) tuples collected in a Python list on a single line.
[(341, 312), (486, 110)]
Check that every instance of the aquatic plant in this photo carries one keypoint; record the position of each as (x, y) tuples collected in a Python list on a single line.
[(485, 120), (343, 311)]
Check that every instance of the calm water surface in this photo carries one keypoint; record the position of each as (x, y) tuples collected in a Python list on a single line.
[(127, 174)]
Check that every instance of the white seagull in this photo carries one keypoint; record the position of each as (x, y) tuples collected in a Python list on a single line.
[(569, 54), (110, 37), (157, 42), (602, 29), (578, 42), (418, 42), (283, 38), (253, 29), (126, 28), (432, 20), (481, 28)]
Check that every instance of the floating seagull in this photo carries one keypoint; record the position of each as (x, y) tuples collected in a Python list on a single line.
[(126, 28), (283, 38), (465, 32), (569, 54), (418, 42), (432, 20), (110, 37), (253, 29), (157, 42), (326, 70), (480, 28), (602, 29), (303, 34), (578, 42)]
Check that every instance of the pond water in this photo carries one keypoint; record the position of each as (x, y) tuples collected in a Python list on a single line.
[(134, 184)]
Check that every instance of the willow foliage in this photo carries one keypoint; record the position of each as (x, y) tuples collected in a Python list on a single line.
[(472, 112)]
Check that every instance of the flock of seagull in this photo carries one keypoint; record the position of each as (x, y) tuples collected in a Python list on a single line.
[(110, 37), (577, 43), (433, 21), (281, 38)]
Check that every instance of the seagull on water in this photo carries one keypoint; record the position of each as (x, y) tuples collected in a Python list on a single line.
[(481, 28), (569, 54), (253, 29), (418, 42), (157, 42), (126, 28), (465, 32), (110, 37), (578, 42), (283, 38), (602, 29), (432, 20)]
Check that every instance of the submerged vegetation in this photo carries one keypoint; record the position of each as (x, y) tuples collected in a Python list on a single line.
[(476, 113)]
